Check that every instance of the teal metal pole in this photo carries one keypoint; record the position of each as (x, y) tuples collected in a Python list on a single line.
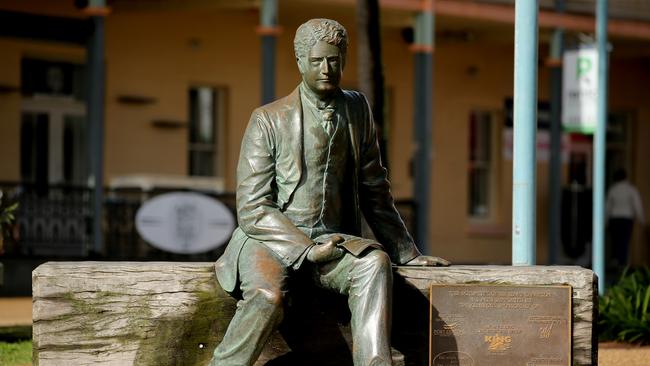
[(268, 33), (422, 124), (598, 252), (95, 104), (525, 126), (555, 161)]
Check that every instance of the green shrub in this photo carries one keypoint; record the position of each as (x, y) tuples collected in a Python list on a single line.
[(625, 309)]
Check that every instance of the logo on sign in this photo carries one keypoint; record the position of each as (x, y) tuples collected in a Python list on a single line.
[(583, 68), (498, 343)]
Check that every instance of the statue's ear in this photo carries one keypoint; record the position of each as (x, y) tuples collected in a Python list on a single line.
[(301, 66)]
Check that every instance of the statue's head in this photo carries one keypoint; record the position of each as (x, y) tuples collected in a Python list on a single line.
[(320, 46)]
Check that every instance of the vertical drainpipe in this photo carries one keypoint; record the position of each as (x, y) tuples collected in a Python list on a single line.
[(95, 104), (525, 125), (598, 252), (423, 120), (268, 30), (555, 163)]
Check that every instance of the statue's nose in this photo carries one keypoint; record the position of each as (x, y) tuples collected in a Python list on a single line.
[(325, 67)]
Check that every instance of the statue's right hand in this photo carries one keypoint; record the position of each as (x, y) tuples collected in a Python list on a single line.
[(327, 251)]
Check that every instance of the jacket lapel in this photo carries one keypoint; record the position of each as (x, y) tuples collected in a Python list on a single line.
[(289, 159), (353, 130), (295, 132)]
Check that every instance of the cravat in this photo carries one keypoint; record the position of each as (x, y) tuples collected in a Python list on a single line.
[(328, 115)]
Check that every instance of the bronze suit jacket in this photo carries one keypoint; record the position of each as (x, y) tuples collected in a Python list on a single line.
[(269, 170)]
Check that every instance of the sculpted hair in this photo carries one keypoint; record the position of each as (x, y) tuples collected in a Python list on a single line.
[(315, 30)]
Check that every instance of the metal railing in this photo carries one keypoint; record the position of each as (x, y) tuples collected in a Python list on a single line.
[(55, 221)]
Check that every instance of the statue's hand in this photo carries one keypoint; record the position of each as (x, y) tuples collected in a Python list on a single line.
[(425, 260), (327, 251)]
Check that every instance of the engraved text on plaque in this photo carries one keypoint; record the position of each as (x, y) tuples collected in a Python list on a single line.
[(500, 325)]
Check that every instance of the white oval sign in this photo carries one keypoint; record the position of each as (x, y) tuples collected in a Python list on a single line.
[(184, 222)]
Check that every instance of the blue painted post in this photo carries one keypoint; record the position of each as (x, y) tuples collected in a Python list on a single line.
[(95, 103), (525, 125), (555, 161), (423, 121), (268, 31), (598, 252)]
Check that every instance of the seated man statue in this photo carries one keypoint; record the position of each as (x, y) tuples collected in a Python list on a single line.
[(309, 166)]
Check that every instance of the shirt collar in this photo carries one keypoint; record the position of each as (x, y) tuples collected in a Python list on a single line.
[(311, 97)]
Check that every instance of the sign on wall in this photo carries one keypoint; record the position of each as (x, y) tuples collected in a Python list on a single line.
[(580, 90), (184, 222)]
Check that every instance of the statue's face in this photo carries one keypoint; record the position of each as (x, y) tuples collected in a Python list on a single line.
[(322, 68)]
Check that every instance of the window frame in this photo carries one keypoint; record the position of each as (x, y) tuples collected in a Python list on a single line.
[(218, 145), (490, 222)]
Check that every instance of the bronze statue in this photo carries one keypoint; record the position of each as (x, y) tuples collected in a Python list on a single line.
[(309, 166)]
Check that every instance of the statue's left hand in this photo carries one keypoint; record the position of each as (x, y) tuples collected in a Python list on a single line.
[(326, 251), (425, 260)]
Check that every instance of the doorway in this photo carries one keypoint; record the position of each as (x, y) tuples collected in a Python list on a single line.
[(577, 195), (55, 199), (54, 141)]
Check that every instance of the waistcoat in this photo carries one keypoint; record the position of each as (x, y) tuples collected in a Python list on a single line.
[(316, 205)]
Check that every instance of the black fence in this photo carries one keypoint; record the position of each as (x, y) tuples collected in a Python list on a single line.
[(57, 222), (121, 239)]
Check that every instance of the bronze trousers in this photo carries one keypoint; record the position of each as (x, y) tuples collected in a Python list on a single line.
[(366, 280)]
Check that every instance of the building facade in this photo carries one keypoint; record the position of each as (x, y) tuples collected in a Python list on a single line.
[(182, 77)]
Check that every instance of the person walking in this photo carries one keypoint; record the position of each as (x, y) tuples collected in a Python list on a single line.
[(623, 207)]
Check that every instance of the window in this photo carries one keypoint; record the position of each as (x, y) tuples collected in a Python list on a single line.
[(480, 165), (205, 146)]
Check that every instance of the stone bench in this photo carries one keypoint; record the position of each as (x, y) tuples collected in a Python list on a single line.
[(172, 313)]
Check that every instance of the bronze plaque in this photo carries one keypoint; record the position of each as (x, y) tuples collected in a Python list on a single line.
[(485, 325)]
